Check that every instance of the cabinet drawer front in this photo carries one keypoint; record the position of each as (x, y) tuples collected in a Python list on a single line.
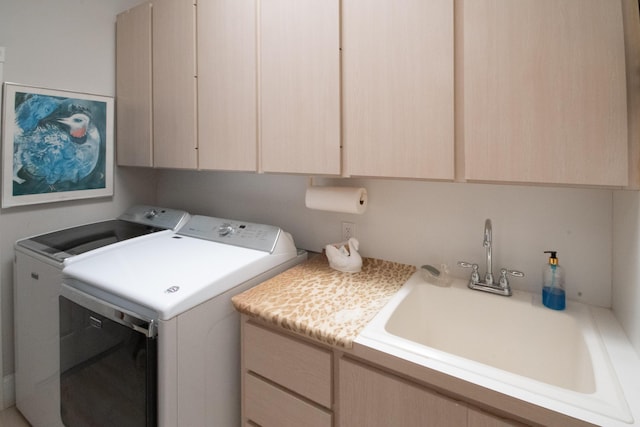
[(298, 366), (267, 406)]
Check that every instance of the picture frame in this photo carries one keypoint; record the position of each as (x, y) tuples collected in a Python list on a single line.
[(57, 145)]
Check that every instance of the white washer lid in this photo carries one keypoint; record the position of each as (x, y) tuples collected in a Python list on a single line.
[(171, 273)]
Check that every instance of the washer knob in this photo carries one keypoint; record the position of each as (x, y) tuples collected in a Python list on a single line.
[(225, 229), (151, 213)]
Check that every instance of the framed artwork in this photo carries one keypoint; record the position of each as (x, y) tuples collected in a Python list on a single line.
[(56, 145)]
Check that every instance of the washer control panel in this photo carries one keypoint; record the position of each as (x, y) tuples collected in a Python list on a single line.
[(154, 216), (248, 235)]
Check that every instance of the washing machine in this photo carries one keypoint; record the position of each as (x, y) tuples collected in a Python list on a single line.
[(38, 266), (163, 305)]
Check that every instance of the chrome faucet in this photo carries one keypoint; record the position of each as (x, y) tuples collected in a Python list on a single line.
[(488, 285), (488, 277)]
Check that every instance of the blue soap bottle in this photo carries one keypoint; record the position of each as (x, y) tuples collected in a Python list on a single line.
[(553, 293)]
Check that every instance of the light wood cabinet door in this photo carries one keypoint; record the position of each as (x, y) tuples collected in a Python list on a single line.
[(478, 418), (300, 86), (174, 84), (544, 91), (133, 87), (397, 62), (368, 397), (227, 94)]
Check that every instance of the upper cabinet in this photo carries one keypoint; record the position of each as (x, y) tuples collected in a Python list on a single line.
[(133, 87), (175, 142), (227, 94), (544, 92), (300, 86), (531, 91), (398, 81)]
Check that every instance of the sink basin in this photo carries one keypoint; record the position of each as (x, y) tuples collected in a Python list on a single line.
[(507, 333), (514, 345)]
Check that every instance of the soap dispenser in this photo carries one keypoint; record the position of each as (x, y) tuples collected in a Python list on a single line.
[(553, 294)]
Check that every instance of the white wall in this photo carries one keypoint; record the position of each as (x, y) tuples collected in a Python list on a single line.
[(62, 44), (626, 263), (426, 222), (597, 232)]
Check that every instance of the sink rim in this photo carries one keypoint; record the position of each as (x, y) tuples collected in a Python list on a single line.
[(607, 400)]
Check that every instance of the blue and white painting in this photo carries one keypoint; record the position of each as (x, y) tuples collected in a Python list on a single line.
[(59, 143)]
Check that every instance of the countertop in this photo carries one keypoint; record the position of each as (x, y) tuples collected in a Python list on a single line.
[(314, 300), (331, 307)]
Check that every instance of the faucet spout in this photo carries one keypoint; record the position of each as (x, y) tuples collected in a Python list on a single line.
[(489, 284), (487, 243)]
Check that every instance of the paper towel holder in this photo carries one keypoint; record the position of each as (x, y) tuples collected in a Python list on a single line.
[(311, 184), (350, 200)]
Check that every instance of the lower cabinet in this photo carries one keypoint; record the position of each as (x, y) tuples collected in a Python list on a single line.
[(370, 397), (290, 381), (285, 381), (477, 418)]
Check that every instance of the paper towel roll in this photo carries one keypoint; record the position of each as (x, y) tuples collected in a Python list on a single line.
[(337, 199)]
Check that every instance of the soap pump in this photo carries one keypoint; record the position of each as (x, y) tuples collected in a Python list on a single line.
[(553, 293)]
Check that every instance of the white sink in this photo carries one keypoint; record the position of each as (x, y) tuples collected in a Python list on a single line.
[(507, 333), (514, 345)]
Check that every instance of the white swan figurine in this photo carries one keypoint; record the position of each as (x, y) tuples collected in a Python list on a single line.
[(344, 256)]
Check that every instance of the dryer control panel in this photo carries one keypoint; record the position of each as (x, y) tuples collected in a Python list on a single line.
[(248, 235)]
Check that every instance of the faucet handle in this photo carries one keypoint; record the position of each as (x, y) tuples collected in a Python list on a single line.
[(504, 282), (465, 264), (475, 276), (514, 273)]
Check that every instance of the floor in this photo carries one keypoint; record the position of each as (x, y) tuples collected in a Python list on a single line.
[(10, 417)]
